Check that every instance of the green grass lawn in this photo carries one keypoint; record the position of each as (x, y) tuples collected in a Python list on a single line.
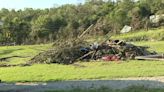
[(153, 34), (140, 35), (81, 71), (157, 46), (26, 52)]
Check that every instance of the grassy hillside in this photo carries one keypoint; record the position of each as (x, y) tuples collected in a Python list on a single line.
[(140, 35), (151, 35), (85, 70)]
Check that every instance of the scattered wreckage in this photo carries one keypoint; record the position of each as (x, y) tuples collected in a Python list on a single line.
[(70, 51), (76, 50)]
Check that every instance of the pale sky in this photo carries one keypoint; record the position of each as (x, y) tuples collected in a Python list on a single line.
[(21, 4)]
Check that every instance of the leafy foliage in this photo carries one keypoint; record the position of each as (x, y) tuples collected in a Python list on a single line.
[(30, 26)]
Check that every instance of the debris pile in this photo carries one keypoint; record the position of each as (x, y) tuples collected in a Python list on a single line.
[(64, 52), (70, 51)]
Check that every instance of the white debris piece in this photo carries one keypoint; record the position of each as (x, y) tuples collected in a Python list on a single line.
[(126, 29), (156, 18)]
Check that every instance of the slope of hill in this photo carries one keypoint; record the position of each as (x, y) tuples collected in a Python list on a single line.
[(151, 35)]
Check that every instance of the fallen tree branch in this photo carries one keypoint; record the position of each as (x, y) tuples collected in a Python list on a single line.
[(151, 57), (87, 30)]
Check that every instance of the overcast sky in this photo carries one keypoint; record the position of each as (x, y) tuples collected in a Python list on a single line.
[(21, 4)]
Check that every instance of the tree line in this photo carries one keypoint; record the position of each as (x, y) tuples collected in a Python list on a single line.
[(32, 26)]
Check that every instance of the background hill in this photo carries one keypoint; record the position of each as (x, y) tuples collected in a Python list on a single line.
[(31, 26)]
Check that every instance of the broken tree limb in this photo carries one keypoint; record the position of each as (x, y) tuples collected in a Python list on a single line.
[(87, 30), (93, 55), (151, 57), (89, 53)]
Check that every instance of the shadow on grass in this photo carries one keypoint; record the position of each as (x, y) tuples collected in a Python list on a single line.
[(9, 51), (86, 86)]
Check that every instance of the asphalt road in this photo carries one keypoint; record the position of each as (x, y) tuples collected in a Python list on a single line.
[(150, 82)]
